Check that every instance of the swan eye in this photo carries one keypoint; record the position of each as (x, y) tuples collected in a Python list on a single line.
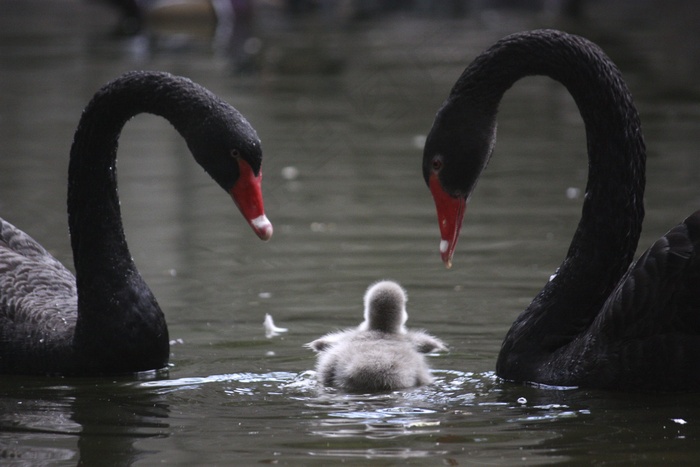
[(436, 164), (235, 153)]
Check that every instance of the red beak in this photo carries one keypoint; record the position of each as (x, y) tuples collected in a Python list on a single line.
[(450, 211), (247, 194)]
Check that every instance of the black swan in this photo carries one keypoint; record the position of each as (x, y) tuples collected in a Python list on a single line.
[(105, 320), (599, 322), (380, 354)]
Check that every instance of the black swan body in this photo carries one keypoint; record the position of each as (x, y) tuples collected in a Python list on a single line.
[(600, 322), (380, 354), (105, 320)]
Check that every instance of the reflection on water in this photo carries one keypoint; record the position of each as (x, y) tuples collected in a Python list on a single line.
[(41, 422), (218, 417), (342, 103)]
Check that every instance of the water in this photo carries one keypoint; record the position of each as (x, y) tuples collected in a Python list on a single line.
[(346, 105)]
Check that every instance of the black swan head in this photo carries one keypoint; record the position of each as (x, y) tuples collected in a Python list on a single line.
[(456, 151)]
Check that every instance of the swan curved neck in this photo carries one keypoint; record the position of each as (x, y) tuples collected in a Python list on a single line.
[(99, 246), (612, 212)]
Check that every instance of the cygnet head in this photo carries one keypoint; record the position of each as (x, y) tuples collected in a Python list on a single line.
[(385, 308)]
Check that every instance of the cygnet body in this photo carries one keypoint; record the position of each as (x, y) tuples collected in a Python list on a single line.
[(380, 354)]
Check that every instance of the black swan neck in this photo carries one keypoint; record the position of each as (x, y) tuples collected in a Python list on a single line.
[(120, 326), (606, 238), (94, 216)]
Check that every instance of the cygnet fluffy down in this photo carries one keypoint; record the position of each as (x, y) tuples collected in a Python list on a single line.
[(380, 354)]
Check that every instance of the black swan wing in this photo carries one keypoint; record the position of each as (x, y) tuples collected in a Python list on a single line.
[(37, 293), (649, 329)]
